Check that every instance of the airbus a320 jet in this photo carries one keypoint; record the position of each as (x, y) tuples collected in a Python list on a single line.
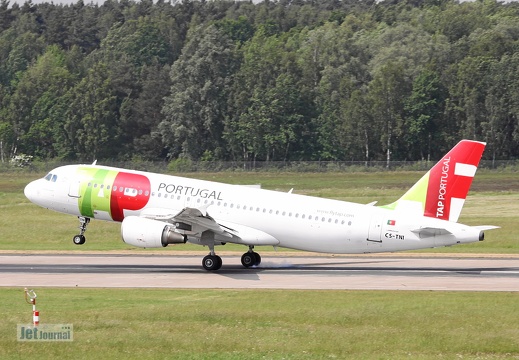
[(158, 210)]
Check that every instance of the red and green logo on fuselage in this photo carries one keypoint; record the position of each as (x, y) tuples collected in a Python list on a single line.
[(111, 192)]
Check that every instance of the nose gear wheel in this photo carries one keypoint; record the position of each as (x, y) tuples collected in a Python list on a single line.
[(80, 238)]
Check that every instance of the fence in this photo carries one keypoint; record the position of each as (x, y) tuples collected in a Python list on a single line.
[(183, 166)]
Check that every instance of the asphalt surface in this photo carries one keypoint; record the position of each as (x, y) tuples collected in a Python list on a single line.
[(275, 272)]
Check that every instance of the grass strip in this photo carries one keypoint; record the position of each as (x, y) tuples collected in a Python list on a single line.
[(266, 324)]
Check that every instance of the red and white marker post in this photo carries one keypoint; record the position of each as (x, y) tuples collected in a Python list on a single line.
[(30, 298)]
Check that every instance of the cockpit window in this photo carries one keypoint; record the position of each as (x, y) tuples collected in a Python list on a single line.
[(51, 177)]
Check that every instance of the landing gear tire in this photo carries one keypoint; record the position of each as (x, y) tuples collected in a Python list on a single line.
[(258, 259), (212, 262), (79, 239), (250, 258)]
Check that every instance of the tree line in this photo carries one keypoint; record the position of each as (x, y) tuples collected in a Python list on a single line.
[(271, 81)]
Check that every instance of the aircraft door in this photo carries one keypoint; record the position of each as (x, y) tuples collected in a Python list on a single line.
[(73, 190), (375, 230)]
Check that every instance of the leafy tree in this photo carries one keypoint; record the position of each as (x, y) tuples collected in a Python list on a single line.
[(424, 109), (271, 80), (90, 129), (6, 16), (388, 91), (196, 107), (37, 90), (143, 114), (501, 126)]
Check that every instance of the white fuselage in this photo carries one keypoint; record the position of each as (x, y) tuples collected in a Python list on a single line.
[(295, 221)]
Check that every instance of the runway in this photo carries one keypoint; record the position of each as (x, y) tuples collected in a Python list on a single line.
[(275, 272)]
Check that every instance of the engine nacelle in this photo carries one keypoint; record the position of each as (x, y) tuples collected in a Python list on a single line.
[(148, 233)]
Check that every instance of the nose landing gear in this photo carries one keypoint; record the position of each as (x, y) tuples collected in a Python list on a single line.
[(80, 238)]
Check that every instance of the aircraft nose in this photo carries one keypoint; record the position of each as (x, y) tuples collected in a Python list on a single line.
[(31, 191)]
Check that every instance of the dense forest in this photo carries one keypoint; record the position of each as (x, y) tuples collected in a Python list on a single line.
[(269, 81)]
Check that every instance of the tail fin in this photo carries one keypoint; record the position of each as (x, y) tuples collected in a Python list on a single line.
[(441, 192)]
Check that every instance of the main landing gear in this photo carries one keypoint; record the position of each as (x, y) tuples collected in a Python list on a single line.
[(250, 258), (213, 262), (80, 238)]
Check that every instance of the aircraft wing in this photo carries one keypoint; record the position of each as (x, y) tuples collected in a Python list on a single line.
[(195, 221)]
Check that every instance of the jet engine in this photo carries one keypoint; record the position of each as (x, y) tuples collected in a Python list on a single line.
[(148, 233)]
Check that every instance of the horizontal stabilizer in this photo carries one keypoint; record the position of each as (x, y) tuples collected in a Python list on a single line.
[(486, 227)]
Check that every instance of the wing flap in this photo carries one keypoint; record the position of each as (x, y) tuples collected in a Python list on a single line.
[(199, 221)]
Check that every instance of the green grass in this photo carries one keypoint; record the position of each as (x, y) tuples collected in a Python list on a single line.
[(266, 324), (494, 200)]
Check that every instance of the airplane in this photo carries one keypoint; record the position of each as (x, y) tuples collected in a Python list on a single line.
[(157, 210)]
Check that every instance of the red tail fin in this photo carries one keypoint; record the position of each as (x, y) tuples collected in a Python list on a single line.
[(441, 192), (450, 180)]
